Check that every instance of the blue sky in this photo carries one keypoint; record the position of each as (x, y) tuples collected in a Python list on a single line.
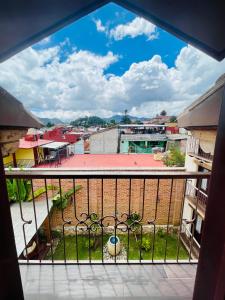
[(106, 62), (84, 36)]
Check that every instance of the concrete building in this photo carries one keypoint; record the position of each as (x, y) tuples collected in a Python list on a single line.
[(105, 141), (135, 138), (202, 133)]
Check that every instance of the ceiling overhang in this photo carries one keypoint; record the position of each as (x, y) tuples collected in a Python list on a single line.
[(197, 22)]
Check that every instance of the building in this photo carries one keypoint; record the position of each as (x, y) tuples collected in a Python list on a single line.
[(136, 138), (29, 154), (62, 134), (105, 141), (199, 156)]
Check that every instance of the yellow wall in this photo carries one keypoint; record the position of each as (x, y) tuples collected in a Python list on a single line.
[(7, 159), (25, 154)]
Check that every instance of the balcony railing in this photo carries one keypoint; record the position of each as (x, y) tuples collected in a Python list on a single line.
[(194, 148), (196, 196), (99, 216)]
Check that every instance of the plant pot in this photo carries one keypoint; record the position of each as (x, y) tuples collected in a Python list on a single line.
[(113, 245)]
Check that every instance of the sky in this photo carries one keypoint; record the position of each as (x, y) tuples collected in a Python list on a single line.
[(106, 62)]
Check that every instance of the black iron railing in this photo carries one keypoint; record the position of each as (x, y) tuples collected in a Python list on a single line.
[(206, 155), (194, 148), (100, 216), (197, 196)]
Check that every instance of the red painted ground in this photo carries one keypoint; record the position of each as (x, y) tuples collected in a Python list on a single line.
[(109, 161)]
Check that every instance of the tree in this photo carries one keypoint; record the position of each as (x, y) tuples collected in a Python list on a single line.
[(125, 118), (173, 119), (174, 158), (163, 113), (88, 121), (49, 124)]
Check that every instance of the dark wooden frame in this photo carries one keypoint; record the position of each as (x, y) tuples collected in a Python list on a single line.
[(210, 278)]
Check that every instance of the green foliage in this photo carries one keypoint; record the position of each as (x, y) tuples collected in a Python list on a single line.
[(41, 191), (89, 121), (174, 158), (41, 235), (146, 244), (49, 124), (161, 233), (113, 122), (126, 120), (56, 234), (18, 189), (133, 221), (61, 201), (134, 247), (92, 243), (163, 113), (173, 119)]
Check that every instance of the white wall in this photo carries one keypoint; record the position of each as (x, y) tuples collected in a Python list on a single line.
[(105, 142)]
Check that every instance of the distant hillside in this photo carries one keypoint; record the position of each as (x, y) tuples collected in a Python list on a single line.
[(88, 121), (54, 121), (118, 118)]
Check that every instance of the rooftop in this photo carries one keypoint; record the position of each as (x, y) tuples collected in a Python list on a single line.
[(32, 144), (99, 161), (144, 137), (14, 114), (204, 111), (55, 145)]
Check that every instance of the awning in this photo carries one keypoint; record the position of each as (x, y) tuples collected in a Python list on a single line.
[(55, 145)]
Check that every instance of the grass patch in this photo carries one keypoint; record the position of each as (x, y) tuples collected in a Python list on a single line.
[(134, 251)]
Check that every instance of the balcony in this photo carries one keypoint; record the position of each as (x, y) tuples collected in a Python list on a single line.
[(142, 208), (196, 197), (194, 149)]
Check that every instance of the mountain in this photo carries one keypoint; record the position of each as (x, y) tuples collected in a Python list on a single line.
[(54, 121), (118, 118)]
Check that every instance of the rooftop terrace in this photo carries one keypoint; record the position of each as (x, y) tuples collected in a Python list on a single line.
[(99, 161)]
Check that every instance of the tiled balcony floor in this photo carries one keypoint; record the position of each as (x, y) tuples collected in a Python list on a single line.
[(108, 282)]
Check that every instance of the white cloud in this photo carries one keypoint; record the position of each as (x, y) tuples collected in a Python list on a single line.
[(99, 26), (80, 85), (136, 27), (45, 41)]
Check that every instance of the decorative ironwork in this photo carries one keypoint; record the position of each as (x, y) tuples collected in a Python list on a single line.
[(138, 229)]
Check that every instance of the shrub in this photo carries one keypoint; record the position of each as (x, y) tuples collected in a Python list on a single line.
[(41, 191), (92, 242), (133, 221), (161, 233), (146, 244), (56, 234), (18, 189), (174, 158), (41, 235), (61, 201)]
